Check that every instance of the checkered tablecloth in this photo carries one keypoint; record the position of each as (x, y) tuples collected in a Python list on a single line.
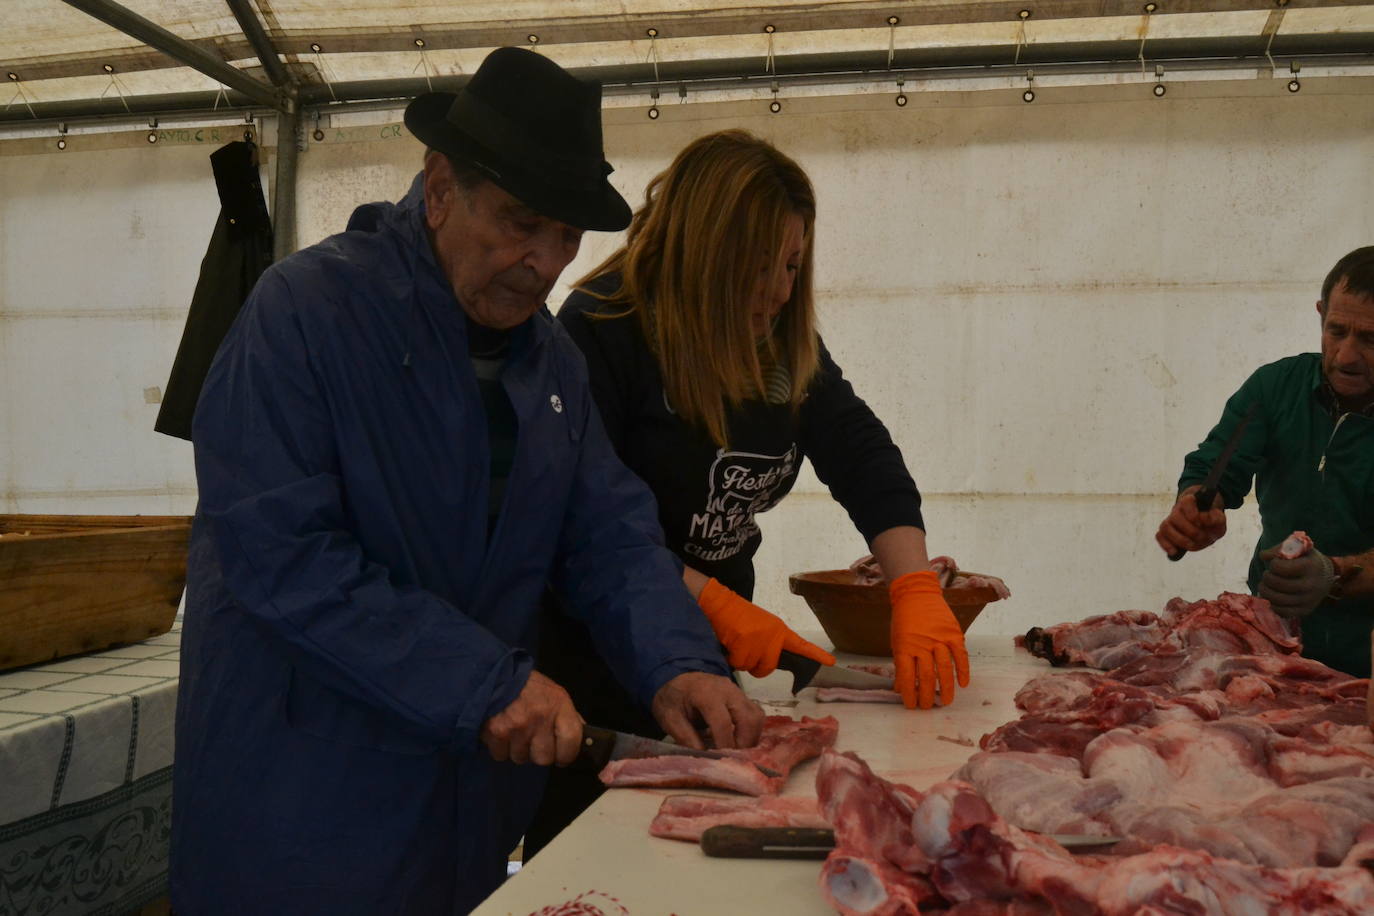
[(86, 780)]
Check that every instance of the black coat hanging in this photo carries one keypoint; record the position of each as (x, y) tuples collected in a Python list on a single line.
[(240, 250)]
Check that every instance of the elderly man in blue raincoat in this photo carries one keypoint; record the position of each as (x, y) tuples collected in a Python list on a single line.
[(397, 451)]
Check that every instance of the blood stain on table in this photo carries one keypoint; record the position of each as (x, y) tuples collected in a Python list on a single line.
[(581, 905)]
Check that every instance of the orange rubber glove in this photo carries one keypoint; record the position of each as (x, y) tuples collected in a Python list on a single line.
[(753, 638), (927, 644)]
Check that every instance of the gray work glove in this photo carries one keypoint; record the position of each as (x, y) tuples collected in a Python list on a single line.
[(1294, 588)]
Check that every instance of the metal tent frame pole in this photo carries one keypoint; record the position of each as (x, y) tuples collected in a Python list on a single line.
[(262, 44), (281, 96), (288, 129), (284, 184), (150, 33)]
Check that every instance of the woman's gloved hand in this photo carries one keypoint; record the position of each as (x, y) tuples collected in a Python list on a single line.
[(927, 644), (753, 638)]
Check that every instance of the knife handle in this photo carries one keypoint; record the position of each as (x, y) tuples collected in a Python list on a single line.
[(728, 842), (1203, 497), (803, 669), (596, 748)]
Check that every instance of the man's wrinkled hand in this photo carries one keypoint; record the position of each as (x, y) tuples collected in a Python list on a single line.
[(732, 719), (1294, 587), (1188, 528), (540, 726)]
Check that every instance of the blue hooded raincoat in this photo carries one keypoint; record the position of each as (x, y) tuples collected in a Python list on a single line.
[(349, 626)]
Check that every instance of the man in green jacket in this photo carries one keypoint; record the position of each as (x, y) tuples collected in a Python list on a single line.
[(1310, 451)]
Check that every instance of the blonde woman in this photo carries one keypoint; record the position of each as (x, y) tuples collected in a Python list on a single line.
[(714, 386)]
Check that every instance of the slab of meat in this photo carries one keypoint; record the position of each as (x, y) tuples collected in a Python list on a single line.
[(945, 570), (851, 695), (867, 572), (685, 817), (871, 817), (733, 775), (784, 744), (1243, 624), (978, 863), (1362, 853), (882, 669), (1043, 792), (1103, 641), (1292, 679), (1068, 728), (1233, 623)]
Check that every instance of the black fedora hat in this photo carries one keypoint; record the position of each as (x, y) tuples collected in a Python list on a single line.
[(532, 128)]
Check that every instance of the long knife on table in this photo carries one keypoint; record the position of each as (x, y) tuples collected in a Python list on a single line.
[(730, 842), (808, 672), (1208, 491), (602, 745)]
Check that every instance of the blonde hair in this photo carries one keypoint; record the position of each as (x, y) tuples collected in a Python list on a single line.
[(691, 265)]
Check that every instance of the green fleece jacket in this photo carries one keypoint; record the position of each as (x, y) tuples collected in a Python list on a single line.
[(1313, 470)]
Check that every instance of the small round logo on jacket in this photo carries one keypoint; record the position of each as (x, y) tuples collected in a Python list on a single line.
[(556, 402)]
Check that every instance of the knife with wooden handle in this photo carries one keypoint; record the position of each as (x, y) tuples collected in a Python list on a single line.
[(602, 745), (729, 842)]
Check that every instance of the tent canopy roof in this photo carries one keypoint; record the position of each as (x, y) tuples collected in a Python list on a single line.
[(66, 63)]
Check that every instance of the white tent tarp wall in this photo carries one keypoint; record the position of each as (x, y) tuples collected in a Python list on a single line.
[(1047, 303)]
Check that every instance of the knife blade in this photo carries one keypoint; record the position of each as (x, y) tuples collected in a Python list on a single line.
[(602, 745), (808, 672), (1208, 491), (727, 841)]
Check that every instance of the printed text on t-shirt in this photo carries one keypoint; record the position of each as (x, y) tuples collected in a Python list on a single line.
[(742, 484)]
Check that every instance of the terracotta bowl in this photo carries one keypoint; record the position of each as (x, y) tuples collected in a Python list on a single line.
[(858, 618)]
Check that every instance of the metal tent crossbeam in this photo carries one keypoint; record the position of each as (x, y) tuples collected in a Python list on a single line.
[(281, 94)]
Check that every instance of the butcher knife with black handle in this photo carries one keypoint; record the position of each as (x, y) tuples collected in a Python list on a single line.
[(807, 672), (602, 745), (729, 842), (1208, 491)]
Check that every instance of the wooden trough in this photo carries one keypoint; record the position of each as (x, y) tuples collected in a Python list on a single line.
[(80, 583)]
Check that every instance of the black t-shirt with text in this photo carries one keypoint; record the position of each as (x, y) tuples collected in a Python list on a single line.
[(709, 497)]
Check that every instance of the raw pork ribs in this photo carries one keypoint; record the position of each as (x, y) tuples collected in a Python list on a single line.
[(1240, 774), (785, 743), (899, 851), (1233, 623)]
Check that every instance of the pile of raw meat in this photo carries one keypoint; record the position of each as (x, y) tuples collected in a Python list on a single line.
[(899, 851), (1240, 775)]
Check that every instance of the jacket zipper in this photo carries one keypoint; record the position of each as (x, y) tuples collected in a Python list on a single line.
[(1321, 465)]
